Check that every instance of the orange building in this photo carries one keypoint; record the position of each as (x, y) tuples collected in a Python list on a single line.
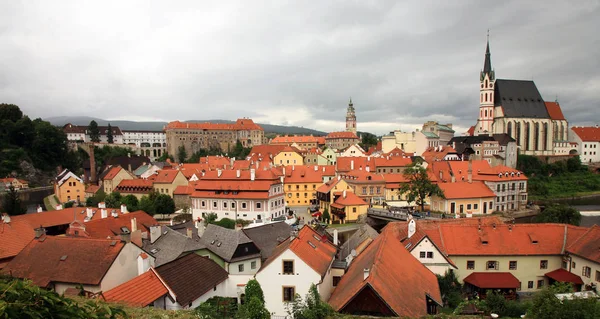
[(69, 187)]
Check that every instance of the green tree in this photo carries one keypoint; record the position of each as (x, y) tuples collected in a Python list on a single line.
[(113, 200), (22, 299), (164, 157), (10, 112), (68, 204), (225, 223), (419, 186), (164, 204), (254, 308), (311, 308), (109, 134), (546, 305), (450, 289), (326, 216), (131, 202), (147, 205), (574, 164), (210, 218), (558, 213), (181, 154), (11, 204), (368, 140), (94, 132)]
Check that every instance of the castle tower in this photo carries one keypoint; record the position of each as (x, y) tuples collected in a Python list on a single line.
[(487, 81), (351, 118)]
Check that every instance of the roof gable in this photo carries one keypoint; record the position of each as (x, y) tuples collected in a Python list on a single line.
[(519, 99), (588, 245), (140, 291), (315, 251)]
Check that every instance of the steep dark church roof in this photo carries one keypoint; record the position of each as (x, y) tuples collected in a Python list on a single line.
[(519, 99)]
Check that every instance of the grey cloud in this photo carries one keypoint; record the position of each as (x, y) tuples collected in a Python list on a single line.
[(294, 62)]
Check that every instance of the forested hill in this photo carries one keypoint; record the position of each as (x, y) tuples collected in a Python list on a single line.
[(157, 126)]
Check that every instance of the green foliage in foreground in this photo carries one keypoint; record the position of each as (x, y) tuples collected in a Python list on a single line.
[(561, 214), (21, 299)]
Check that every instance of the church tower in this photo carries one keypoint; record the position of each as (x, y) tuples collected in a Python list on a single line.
[(351, 118), (487, 81)]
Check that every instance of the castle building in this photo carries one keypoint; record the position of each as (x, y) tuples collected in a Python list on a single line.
[(196, 136), (515, 107), (351, 118)]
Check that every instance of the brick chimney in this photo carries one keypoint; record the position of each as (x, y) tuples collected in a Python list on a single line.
[(252, 174), (39, 232)]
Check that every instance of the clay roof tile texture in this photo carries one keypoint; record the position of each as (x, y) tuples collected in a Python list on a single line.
[(140, 291)]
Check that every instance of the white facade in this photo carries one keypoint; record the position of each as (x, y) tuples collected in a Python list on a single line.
[(168, 302), (237, 207), (510, 195), (589, 151), (352, 151), (273, 281), (405, 141), (148, 138), (589, 271), (430, 256)]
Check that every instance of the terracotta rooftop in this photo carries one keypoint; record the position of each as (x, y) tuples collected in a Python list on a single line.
[(239, 125), (111, 226), (347, 135), (294, 139), (140, 291), (587, 134), (303, 174), (493, 280), (350, 200), (588, 245), (392, 161), (185, 189), (65, 259), (92, 189), (166, 176), (460, 190), (387, 263), (554, 111), (112, 173), (134, 186), (14, 236), (346, 164)]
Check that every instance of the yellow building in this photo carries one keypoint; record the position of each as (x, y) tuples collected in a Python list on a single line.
[(136, 187), (288, 156), (69, 187), (166, 181), (326, 193), (300, 184), (347, 207), (464, 198), (114, 176)]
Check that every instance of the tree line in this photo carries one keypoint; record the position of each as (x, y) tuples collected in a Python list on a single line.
[(153, 203)]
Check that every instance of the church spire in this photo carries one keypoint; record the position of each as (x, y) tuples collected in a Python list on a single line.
[(487, 63)]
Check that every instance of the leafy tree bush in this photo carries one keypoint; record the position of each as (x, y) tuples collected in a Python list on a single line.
[(21, 299), (109, 134), (254, 307), (164, 204), (113, 200), (558, 213), (97, 198), (450, 288), (210, 218), (546, 305), (311, 308), (94, 132), (181, 154), (131, 202), (326, 216), (419, 186), (68, 204), (11, 203)]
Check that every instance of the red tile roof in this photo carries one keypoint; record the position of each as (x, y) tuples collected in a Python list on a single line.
[(359, 176), (350, 200), (346, 164), (111, 226), (389, 263), (14, 236), (481, 171), (140, 291), (294, 139), (215, 161), (392, 161), (238, 195), (327, 187), (239, 125), (303, 174), (394, 180), (321, 140), (264, 152), (471, 131), (334, 135), (112, 173), (92, 189), (318, 257), (396, 151), (492, 280), (86, 261), (185, 189), (554, 111), (461, 190), (588, 245), (437, 154), (166, 176), (52, 218), (563, 275), (587, 134)]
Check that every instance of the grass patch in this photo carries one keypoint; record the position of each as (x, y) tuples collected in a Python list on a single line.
[(48, 203)]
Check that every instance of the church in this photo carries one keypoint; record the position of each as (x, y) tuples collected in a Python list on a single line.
[(516, 107)]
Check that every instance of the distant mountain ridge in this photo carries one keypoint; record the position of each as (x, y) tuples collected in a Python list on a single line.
[(158, 126)]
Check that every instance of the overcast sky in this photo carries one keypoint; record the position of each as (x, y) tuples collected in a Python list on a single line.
[(293, 62)]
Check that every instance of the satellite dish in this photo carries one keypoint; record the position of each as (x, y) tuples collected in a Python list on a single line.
[(412, 228), (353, 253)]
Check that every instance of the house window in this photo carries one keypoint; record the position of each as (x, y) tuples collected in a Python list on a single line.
[(288, 293), (492, 264), (543, 264), (288, 267), (540, 284), (225, 205), (597, 275), (530, 284), (468, 206), (586, 271), (253, 265), (430, 254), (215, 204), (203, 203), (258, 206), (422, 254), (470, 264), (354, 209), (241, 267), (475, 206), (243, 205), (512, 265), (336, 280), (573, 264)]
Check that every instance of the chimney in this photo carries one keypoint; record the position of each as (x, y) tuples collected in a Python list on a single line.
[(367, 168), (40, 232), (344, 193), (154, 233), (133, 224), (323, 169), (238, 173), (102, 205), (189, 233), (283, 171), (59, 207), (124, 209), (219, 173), (125, 235), (316, 168), (231, 161), (366, 273), (103, 213), (293, 167), (200, 226), (470, 172), (88, 212), (114, 213), (335, 236), (143, 262), (368, 158), (351, 164), (252, 174), (39, 209)]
